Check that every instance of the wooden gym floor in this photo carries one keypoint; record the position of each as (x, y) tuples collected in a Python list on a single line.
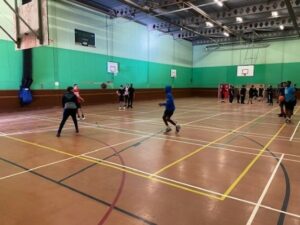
[(231, 164)]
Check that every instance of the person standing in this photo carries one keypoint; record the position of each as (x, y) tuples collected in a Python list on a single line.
[(290, 101), (131, 95), (79, 101), (126, 96), (270, 95), (281, 96), (261, 93), (120, 92), (231, 93), (243, 94), (169, 111), (69, 103), (251, 94), (238, 95)]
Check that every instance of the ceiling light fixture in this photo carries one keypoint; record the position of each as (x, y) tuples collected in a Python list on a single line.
[(209, 24), (239, 19), (219, 3), (274, 14), (226, 34)]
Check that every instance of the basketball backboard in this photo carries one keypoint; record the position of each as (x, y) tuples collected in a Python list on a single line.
[(31, 26)]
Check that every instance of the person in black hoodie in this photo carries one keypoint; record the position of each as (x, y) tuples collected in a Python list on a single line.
[(231, 93), (69, 103), (243, 94), (131, 96)]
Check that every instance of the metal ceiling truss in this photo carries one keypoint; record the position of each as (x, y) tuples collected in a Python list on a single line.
[(263, 37), (239, 12), (269, 26)]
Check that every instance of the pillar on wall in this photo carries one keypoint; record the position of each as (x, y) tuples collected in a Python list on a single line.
[(27, 63)]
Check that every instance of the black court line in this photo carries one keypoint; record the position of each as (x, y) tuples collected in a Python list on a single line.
[(286, 199), (79, 192), (108, 157)]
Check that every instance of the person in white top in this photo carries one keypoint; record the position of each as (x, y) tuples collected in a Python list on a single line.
[(126, 95)]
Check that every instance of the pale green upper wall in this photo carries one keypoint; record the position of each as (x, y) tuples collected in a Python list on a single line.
[(6, 20), (287, 51), (115, 37)]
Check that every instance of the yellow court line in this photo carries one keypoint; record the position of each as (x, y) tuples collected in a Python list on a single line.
[(106, 164), (246, 170), (208, 144)]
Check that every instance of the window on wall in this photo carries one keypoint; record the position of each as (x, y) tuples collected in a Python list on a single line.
[(84, 38)]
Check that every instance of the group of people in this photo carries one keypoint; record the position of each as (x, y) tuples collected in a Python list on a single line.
[(240, 94), (126, 96), (286, 94), (71, 103)]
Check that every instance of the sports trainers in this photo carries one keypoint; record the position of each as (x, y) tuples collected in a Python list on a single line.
[(168, 129), (83, 118), (178, 128)]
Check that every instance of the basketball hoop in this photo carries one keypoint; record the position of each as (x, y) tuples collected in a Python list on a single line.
[(112, 69), (245, 72)]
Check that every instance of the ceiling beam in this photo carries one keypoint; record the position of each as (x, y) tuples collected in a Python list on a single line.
[(292, 15), (205, 15), (149, 11)]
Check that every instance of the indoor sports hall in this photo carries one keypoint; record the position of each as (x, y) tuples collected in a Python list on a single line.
[(143, 112)]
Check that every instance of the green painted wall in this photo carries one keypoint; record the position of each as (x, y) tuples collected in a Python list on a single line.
[(89, 70), (10, 66), (280, 61), (145, 57)]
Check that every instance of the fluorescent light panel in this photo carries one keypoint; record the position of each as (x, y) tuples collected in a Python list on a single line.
[(226, 34), (274, 14), (219, 3), (209, 24), (239, 19)]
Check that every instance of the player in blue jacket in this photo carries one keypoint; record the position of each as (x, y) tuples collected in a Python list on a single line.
[(170, 108)]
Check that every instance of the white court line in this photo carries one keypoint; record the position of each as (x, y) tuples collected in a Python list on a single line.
[(63, 160), (292, 137), (205, 118), (199, 188), (178, 182), (162, 137), (258, 204)]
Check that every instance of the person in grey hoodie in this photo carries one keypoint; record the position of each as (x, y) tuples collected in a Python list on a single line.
[(69, 103), (170, 108)]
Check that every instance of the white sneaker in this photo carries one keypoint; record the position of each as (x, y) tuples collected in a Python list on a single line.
[(178, 128), (83, 118)]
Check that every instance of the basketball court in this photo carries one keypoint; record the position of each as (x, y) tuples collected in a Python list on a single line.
[(230, 164), (227, 166)]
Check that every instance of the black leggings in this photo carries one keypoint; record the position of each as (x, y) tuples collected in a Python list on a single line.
[(167, 117), (67, 113)]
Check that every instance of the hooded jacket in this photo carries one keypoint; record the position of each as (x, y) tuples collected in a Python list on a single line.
[(69, 101), (170, 106)]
